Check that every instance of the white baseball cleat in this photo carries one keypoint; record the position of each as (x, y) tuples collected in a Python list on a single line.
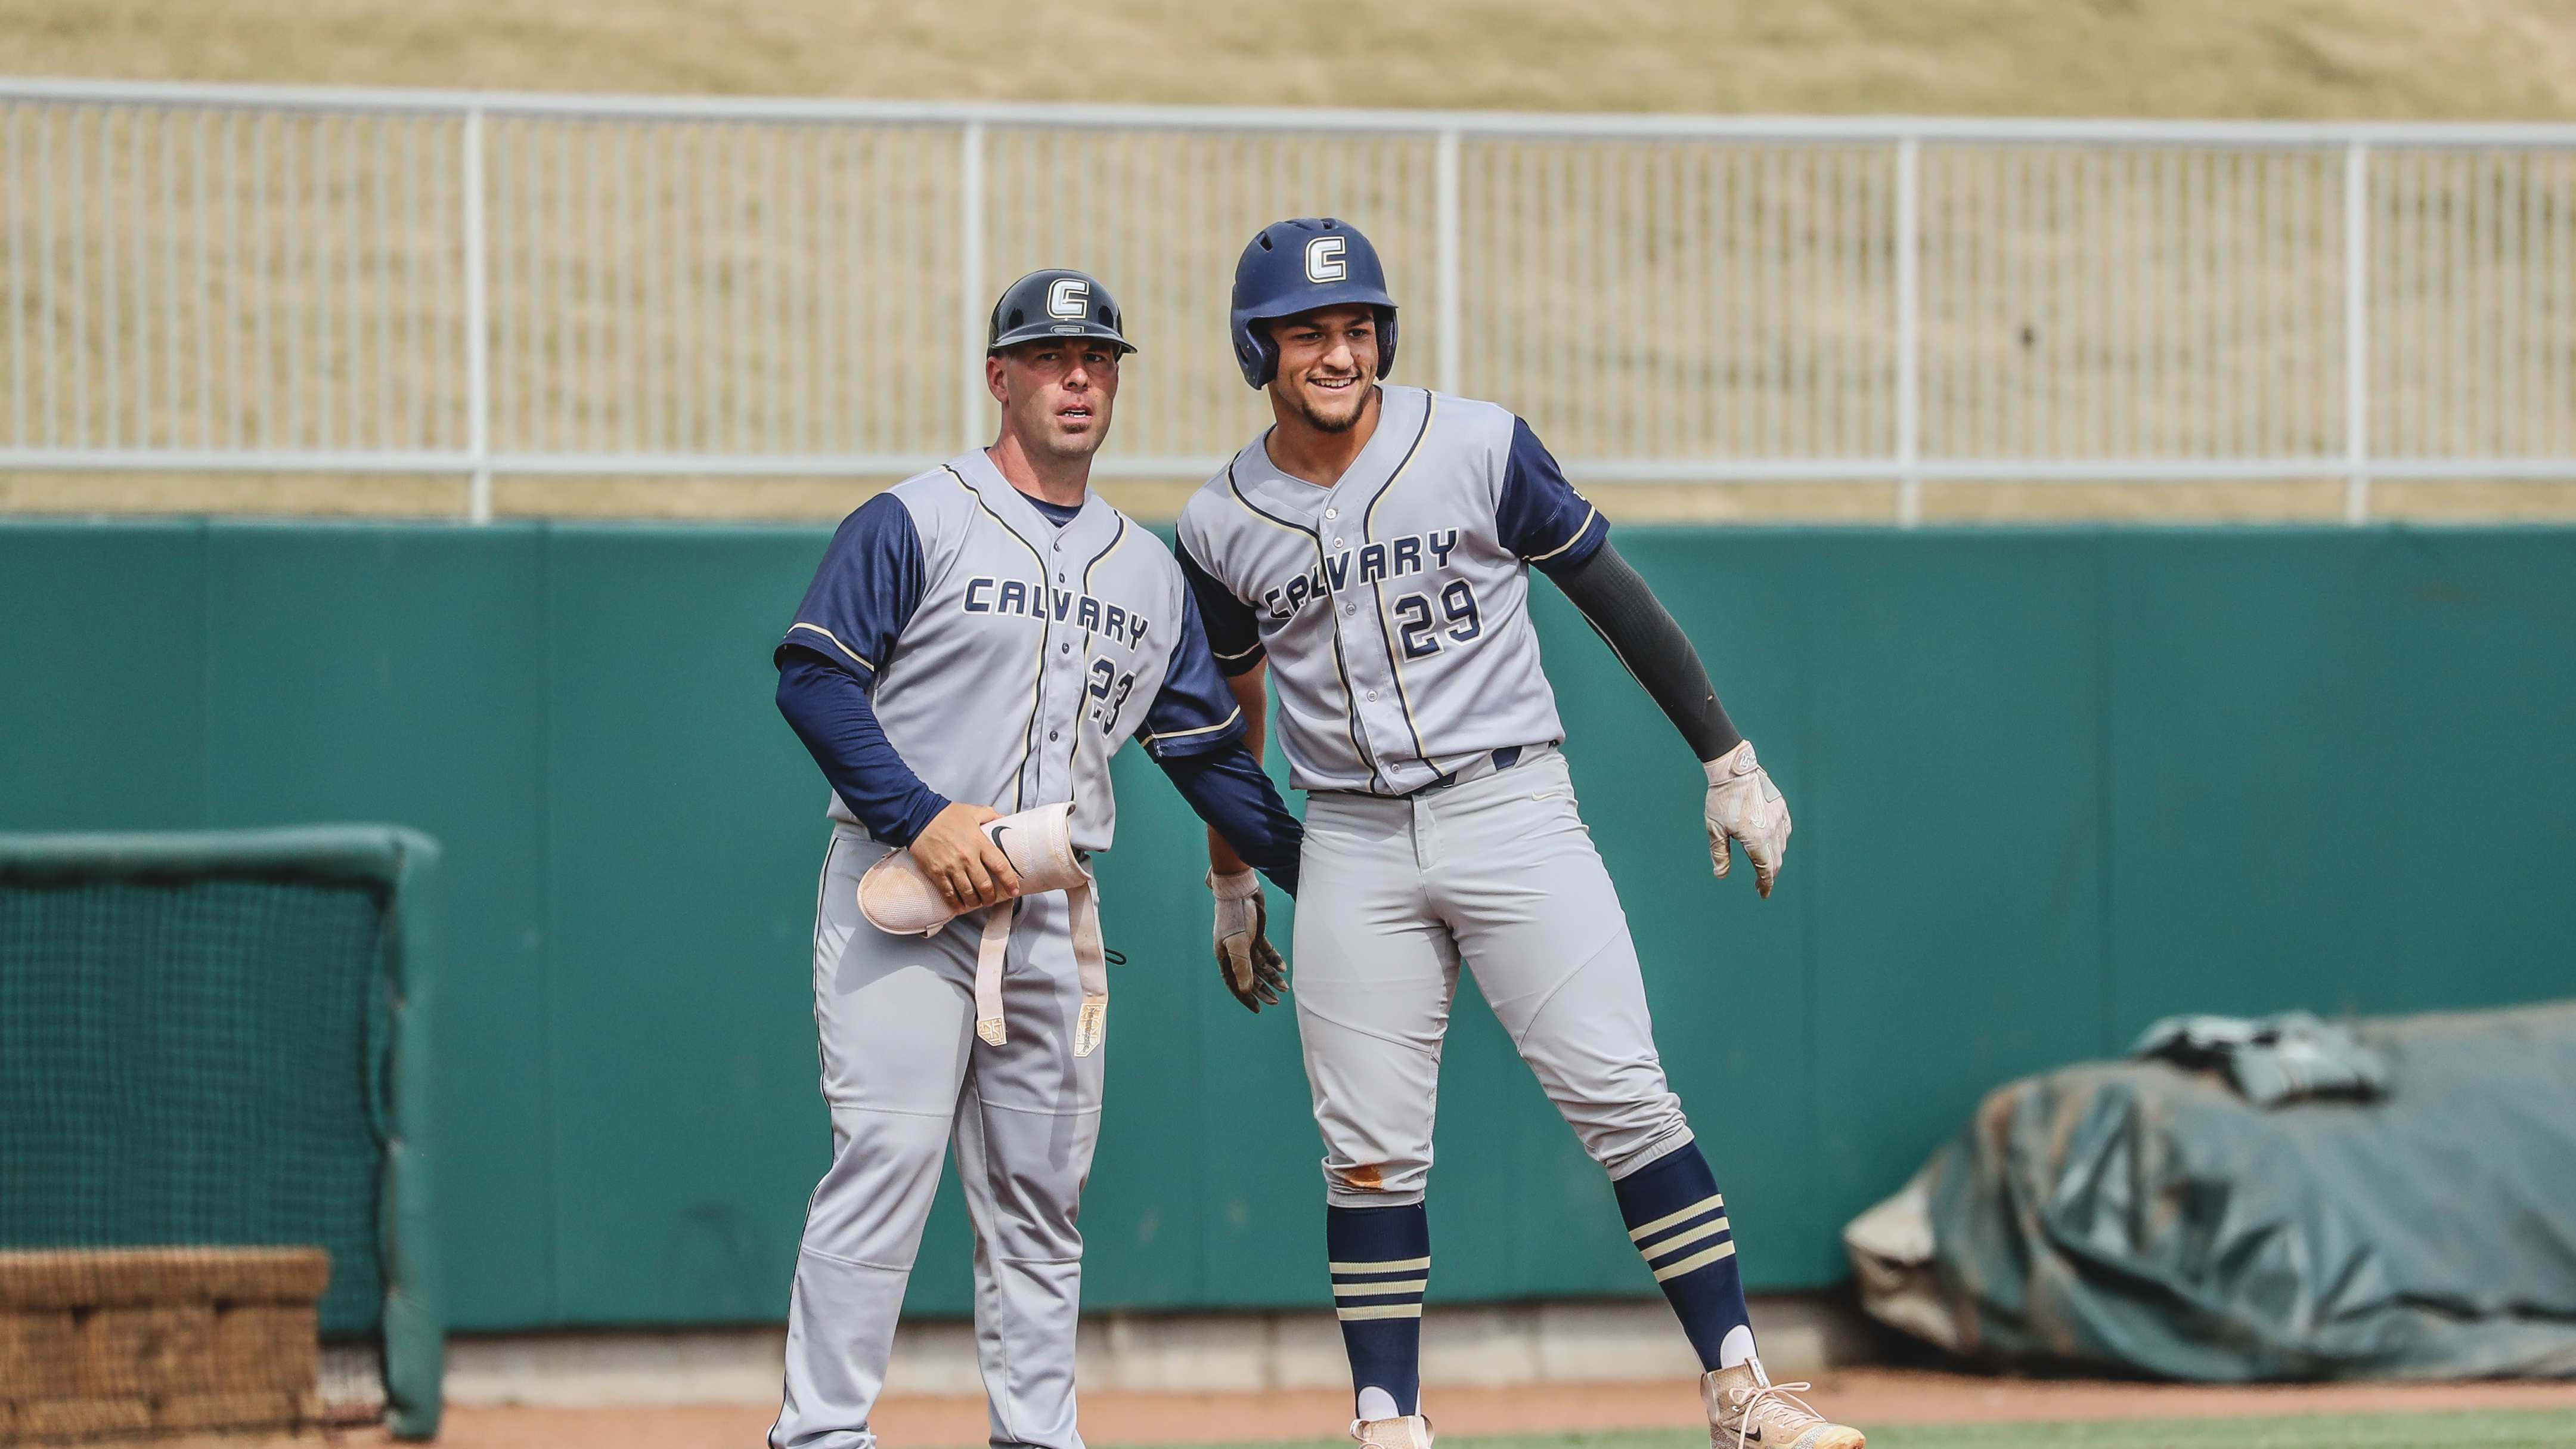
[(1412, 1431), (1748, 1411)]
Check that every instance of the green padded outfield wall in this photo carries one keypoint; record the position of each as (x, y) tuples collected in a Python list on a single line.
[(2050, 784)]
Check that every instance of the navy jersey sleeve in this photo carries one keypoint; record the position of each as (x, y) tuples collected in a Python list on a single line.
[(1195, 712), (1233, 636), (865, 591), (1540, 516)]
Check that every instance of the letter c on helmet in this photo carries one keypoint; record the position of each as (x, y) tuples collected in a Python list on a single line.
[(1324, 259)]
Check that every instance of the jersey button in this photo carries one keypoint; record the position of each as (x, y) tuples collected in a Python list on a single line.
[(1333, 513), (1372, 695), (1064, 649), (1350, 608), (1052, 734)]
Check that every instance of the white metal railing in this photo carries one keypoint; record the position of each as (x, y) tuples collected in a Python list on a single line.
[(295, 279)]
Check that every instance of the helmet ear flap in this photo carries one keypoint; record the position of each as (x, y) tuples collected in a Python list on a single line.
[(1256, 354)]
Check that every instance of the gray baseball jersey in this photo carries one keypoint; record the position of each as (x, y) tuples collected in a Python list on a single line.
[(1394, 605), (1011, 657)]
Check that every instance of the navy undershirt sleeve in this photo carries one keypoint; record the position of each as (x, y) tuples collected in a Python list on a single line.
[(1539, 515), (828, 707), (1233, 636), (1229, 791), (863, 594), (1616, 602)]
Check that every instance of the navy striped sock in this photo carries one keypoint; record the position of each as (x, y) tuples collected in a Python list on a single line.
[(1678, 1221), (1381, 1261)]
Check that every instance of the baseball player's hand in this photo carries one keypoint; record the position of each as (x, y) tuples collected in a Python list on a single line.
[(1743, 805), (1251, 966), (967, 866)]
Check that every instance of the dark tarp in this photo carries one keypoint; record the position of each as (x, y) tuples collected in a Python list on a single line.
[(2139, 1217), (2271, 1060)]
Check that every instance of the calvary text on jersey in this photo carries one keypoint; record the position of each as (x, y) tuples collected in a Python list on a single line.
[(1368, 564), (988, 595)]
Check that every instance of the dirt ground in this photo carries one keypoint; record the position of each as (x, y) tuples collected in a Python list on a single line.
[(1868, 1397)]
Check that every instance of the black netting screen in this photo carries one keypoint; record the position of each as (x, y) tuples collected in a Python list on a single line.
[(196, 1061)]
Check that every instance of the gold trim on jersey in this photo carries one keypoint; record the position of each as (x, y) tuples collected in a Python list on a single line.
[(1073, 756), (1589, 513), (1143, 738), (836, 643), (1385, 629), (1341, 660), (1046, 627)]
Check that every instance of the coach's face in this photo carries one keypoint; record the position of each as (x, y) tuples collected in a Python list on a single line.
[(1057, 394), (1327, 359)]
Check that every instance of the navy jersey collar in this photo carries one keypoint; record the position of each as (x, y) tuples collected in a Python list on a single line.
[(1021, 516)]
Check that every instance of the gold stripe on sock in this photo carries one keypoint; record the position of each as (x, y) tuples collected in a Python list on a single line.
[(1379, 1310), (1395, 1285), (1713, 1226), (1695, 1260), (1391, 1265), (1713, 1200)]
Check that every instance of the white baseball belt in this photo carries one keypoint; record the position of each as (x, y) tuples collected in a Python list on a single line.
[(900, 898)]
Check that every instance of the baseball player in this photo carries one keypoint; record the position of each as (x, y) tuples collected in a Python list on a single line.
[(977, 643), (1370, 553)]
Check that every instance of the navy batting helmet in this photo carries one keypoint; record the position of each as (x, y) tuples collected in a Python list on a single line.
[(1298, 266), (1055, 303)]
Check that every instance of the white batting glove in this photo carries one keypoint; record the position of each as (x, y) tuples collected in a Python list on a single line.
[(1744, 805), (1251, 966)]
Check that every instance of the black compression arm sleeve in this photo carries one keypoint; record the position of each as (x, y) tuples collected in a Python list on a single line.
[(1627, 615)]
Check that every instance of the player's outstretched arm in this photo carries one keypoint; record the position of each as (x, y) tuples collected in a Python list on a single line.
[(1742, 804), (1208, 739), (1251, 966), (1231, 642), (1543, 520), (1252, 696), (1247, 822)]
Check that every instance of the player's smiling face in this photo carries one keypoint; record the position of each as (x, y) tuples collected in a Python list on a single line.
[(1327, 360), (1057, 395)]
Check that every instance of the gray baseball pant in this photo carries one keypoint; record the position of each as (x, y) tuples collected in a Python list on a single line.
[(1499, 872), (902, 1073)]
